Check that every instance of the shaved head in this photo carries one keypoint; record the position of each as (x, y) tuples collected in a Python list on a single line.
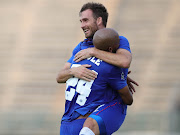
[(106, 39)]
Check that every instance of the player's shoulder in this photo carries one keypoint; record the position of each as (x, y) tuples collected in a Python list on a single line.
[(123, 38), (77, 48), (78, 45), (108, 68), (124, 43), (114, 69)]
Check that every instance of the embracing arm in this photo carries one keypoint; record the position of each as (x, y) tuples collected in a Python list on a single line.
[(126, 95), (64, 74), (122, 58), (81, 72)]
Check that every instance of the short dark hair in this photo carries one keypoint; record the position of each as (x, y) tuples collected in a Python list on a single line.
[(98, 11)]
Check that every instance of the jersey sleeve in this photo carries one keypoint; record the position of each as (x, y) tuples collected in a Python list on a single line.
[(124, 43), (76, 49), (117, 78)]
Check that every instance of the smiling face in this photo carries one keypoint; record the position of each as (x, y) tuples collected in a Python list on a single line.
[(88, 23)]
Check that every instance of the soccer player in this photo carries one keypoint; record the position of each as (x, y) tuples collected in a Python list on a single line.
[(109, 92), (94, 16)]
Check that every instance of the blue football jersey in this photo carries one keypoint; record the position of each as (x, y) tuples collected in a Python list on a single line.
[(84, 97)]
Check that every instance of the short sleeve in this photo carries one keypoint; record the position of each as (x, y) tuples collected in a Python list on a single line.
[(117, 78), (76, 49), (124, 43)]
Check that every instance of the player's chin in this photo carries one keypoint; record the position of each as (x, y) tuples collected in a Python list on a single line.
[(88, 36)]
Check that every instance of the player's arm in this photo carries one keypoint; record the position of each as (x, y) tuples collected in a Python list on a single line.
[(81, 72), (126, 95), (122, 58), (117, 80), (64, 74)]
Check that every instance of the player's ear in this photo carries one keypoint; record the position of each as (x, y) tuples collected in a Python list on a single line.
[(110, 49), (99, 21)]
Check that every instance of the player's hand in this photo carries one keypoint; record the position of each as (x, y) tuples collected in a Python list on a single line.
[(130, 83), (83, 54), (82, 72)]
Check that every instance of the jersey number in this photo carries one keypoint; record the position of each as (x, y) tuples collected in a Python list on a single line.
[(83, 88)]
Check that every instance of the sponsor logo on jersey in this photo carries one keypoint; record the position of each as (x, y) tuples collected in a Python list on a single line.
[(122, 76)]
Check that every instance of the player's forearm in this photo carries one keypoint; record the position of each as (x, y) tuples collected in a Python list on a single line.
[(117, 59), (126, 95), (64, 75), (127, 100)]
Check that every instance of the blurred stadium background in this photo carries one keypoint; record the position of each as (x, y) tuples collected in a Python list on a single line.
[(38, 36)]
